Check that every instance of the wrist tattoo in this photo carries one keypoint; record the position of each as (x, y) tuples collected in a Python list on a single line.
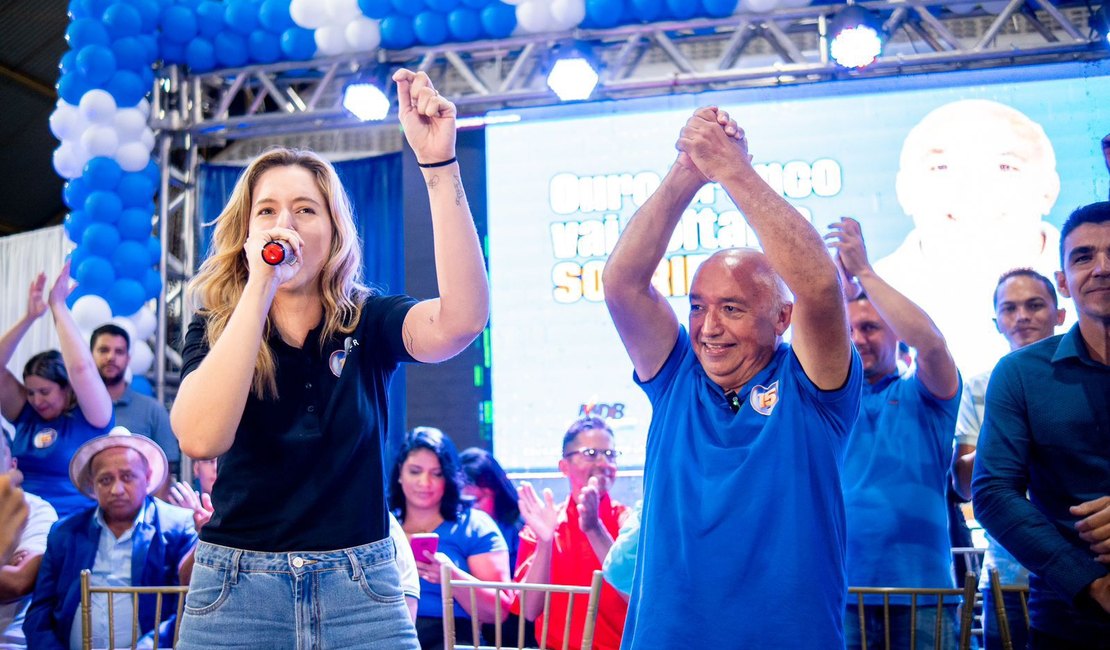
[(433, 182), (458, 189)]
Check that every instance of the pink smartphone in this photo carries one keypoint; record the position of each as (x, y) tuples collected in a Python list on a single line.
[(421, 542)]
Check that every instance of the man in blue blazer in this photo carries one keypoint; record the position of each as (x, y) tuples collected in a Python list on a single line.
[(128, 539)]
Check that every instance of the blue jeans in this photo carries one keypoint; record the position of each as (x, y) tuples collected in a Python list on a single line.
[(1019, 634), (349, 598), (925, 638)]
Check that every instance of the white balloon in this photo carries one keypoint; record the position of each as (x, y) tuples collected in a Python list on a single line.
[(90, 312), (142, 357), (516, 2), (145, 323), (330, 40), (960, 9), (994, 7), (307, 14), (98, 107), (144, 107), (65, 162), (757, 6), (132, 157), (794, 4), (341, 12), (568, 13), (128, 326), (363, 35), (534, 17), (147, 139), (100, 140), (129, 123), (66, 122)]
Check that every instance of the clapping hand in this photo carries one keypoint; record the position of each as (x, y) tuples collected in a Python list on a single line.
[(182, 494), (541, 516)]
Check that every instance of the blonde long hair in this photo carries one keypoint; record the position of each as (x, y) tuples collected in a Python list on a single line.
[(219, 284)]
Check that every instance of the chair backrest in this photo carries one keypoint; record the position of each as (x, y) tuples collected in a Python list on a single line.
[(999, 591), (972, 557), (158, 593), (523, 591), (941, 596)]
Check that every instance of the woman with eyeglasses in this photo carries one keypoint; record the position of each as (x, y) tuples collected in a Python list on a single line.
[(425, 490), (565, 543)]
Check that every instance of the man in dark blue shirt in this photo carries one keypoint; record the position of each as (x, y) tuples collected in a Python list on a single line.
[(1047, 431)]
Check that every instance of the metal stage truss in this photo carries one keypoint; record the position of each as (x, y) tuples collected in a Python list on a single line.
[(783, 47)]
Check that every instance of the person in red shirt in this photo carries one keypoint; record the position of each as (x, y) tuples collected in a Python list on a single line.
[(565, 543)]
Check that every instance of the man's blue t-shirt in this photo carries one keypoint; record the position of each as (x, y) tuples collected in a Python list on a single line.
[(742, 533), (895, 469), (44, 449)]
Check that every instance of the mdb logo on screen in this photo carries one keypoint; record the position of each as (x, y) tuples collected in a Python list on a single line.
[(605, 411)]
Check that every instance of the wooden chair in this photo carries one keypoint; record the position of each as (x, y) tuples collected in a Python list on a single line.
[(524, 591), (999, 591), (87, 592), (968, 595)]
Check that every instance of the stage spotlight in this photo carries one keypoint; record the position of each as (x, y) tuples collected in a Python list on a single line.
[(572, 78), (1100, 22), (856, 36), (366, 102)]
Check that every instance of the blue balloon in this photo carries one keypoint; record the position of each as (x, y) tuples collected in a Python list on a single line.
[(126, 296), (231, 49), (75, 224), (126, 87), (719, 8), (179, 24), (477, 4), (149, 12), (647, 10), (442, 6), (200, 55), (274, 16), (75, 192), (75, 295), (96, 8), (263, 46), (72, 86), (122, 20), (135, 190), (397, 32), (76, 256), (298, 43), (376, 9), (499, 19), (102, 173), (605, 13), (131, 53), (152, 284), (172, 52), (210, 18), (134, 224), (154, 249), (130, 260), (84, 32), (430, 28), (682, 9), (141, 385), (77, 10), (68, 63), (241, 16), (153, 173), (101, 239), (408, 7), (104, 207), (150, 42), (147, 75), (96, 62), (464, 25)]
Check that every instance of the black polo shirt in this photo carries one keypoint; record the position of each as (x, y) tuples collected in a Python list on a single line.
[(305, 472)]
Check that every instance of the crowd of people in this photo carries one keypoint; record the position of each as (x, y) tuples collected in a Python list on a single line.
[(776, 475)]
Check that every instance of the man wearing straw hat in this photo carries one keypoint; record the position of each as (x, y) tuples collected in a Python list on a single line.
[(129, 538)]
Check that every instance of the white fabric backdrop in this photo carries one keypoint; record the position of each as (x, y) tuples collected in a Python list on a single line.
[(22, 257)]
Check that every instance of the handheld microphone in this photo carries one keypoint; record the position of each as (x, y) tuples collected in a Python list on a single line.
[(278, 252)]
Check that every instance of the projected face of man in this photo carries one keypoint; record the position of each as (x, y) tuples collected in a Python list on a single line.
[(976, 174)]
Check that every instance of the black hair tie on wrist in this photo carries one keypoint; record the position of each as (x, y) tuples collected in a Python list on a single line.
[(442, 163)]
